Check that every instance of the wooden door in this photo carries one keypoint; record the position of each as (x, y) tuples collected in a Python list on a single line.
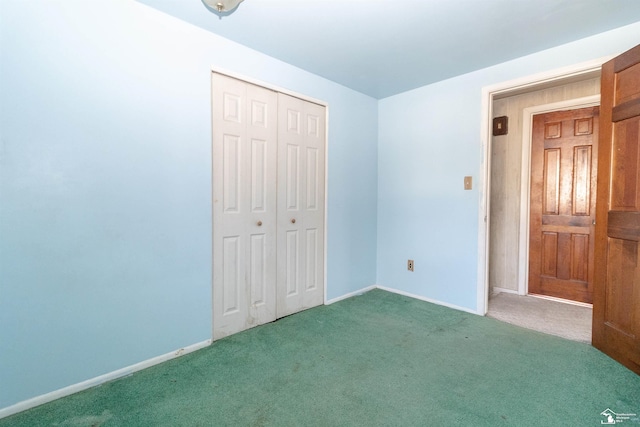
[(616, 300), (301, 160), (244, 205), (562, 206)]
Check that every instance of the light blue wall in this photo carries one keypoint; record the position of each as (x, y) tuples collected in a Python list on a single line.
[(105, 171), (429, 139), (105, 182)]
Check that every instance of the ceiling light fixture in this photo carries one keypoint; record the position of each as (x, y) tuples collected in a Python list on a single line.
[(222, 6)]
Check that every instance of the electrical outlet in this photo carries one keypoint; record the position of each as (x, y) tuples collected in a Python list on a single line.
[(410, 265)]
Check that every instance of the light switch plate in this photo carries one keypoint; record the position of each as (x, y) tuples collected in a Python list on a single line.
[(500, 125), (468, 182)]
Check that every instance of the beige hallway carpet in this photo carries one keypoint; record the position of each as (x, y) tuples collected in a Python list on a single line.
[(568, 321)]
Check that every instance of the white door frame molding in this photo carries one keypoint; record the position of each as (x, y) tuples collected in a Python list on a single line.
[(267, 85), (512, 87), (275, 88)]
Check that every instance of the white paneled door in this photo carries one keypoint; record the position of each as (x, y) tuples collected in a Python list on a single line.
[(301, 138), (268, 205), (244, 205)]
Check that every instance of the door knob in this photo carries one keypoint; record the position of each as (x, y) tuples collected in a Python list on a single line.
[(259, 223), (293, 220)]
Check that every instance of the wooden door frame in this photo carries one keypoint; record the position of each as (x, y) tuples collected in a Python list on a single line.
[(275, 88), (522, 85)]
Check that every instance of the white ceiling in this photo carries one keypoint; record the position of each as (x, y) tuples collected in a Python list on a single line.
[(384, 47)]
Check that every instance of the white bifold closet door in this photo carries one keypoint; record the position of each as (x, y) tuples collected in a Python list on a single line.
[(301, 138), (268, 205), (244, 205)]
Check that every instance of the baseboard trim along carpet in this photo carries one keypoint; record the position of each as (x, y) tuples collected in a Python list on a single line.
[(84, 385), (497, 290), (350, 294), (421, 298), (379, 359)]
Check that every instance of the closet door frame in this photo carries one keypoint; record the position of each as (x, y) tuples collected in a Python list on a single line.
[(275, 88)]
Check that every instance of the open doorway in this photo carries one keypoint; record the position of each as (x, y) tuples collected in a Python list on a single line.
[(507, 204)]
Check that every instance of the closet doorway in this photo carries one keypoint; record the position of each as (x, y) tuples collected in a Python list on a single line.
[(268, 204)]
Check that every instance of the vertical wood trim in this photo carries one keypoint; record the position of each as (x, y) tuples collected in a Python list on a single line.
[(604, 176)]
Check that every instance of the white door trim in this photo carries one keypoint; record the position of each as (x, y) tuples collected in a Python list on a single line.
[(520, 85), (525, 189), (266, 85), (275, 88)]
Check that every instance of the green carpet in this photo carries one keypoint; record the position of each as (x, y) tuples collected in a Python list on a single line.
[(379, 359)]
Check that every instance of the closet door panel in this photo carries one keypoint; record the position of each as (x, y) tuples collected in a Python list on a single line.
[(244, 205), (314, 203), (268, 205), (301, 135)]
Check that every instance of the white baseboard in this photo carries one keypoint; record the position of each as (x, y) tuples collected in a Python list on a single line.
[(399, 292), (75, 388), (497, 290), (433, 301), (84, 385), (350, 294)]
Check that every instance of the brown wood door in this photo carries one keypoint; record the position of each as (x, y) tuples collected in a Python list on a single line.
[(616, 299), (562, 206)]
